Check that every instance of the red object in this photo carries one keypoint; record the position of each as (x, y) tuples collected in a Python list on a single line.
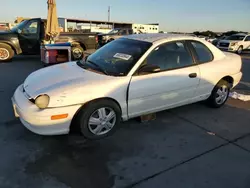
[(52, 54), (55, 53), (49, 56)]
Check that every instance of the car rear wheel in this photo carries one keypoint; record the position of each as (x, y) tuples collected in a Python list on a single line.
[(219, 94), (240, 49), (98, 119), (77, 52), (6, 53)]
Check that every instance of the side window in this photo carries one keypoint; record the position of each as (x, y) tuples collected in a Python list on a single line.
[(130, 31), (170, 56), (203, 53), (248, 38), (30, 28)]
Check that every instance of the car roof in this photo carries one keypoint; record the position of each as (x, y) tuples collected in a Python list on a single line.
[(240, 34), (153, 37)]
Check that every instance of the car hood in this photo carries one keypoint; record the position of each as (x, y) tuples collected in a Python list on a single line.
[(68, 84), (228, 41), (59, 77), (4, 34)]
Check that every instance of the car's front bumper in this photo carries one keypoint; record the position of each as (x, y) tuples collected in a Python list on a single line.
[(39, 121), (229, 49)]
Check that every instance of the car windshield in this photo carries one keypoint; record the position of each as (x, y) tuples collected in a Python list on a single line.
[(19, 26), (117, 57), (236, 37), (114, 31)]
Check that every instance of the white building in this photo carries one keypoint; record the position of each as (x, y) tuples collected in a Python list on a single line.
[(104, 26), (145, 28), (95, 29)]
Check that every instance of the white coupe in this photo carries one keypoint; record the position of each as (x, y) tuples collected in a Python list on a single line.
[(129, 77)]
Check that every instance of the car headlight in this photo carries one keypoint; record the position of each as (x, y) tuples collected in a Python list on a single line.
[(234, 43), (42, 101)]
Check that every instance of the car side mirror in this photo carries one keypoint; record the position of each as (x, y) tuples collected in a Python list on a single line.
[(19, 31), (147, 69)]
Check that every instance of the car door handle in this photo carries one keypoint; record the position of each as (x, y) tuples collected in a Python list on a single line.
[(192, 75)]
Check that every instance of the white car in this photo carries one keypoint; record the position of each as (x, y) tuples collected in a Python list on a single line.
[(211, 40), (235, 43), (129, 77)]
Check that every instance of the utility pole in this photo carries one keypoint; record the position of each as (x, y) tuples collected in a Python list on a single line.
[(109, 14)]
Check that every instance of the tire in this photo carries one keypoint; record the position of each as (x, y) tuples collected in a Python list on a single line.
[(77, 53), (6, 53), (213, 99), (91, 131), (239, 51)]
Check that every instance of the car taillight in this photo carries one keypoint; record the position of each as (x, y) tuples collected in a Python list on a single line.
[(96, 39)]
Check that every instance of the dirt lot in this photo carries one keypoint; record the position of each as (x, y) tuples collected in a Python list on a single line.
[(191, 146)]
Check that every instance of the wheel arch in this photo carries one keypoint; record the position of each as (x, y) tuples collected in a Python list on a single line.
[(72, 127), (83, 46), (76, 43), (11, 45), (229, 79)]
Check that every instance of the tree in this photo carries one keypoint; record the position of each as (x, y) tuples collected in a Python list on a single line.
[(205, 33), (229, 33)]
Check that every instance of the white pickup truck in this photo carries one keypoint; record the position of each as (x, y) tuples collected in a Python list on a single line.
[(235, 43)]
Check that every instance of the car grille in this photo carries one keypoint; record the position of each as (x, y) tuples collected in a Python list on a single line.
[(224, 44)]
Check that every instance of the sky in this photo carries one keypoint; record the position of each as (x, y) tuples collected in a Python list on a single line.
[(174, 15)]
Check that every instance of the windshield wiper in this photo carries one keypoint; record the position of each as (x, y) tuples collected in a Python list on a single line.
[(80, 64), (98, 66)]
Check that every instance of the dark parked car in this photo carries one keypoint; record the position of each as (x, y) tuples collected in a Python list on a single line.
[(27, 36), (112, 35), (216, 41)]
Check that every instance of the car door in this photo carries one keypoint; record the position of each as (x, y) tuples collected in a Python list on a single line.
[(208, 72), (247, 42), (29, 37), (174, 85)]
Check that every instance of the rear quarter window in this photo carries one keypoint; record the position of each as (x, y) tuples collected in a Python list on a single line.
[(204, 55)]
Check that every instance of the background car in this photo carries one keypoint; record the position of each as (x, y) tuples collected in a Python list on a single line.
[(216, 41), (235, 43), (129, 77)]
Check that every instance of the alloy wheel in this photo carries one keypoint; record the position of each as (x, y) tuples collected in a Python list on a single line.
[(221, 94), (102, 121), (4, 54), (77, 53)]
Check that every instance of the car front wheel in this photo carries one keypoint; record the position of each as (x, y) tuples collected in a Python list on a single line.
[(240, 49), (219, 94), (99, 119)]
